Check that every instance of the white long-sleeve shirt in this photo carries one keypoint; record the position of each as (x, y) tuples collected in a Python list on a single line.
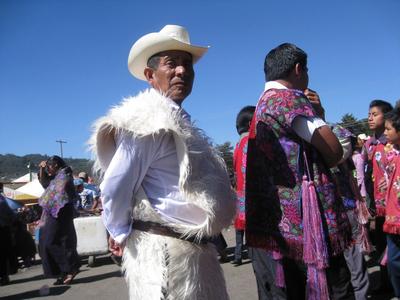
[(150, 162)]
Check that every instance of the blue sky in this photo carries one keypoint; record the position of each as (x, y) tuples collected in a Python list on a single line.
[(64, 63)]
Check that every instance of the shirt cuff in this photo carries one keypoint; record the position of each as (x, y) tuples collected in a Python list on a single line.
[(305, 126), (117, 232)]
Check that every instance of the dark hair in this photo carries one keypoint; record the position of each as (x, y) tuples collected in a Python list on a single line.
[(57, 160), (393, 116), (281, 60), (384, 106), (154, 61), (244, 118)]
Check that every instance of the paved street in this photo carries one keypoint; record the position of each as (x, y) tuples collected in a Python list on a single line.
[(104, 281)]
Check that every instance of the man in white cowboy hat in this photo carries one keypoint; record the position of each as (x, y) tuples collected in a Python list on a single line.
[(165, 190)]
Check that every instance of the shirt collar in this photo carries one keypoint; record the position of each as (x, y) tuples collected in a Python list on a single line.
[(274, 85), (244, 134)]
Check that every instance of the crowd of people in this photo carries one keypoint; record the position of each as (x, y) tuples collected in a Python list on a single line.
[(66, 196), (305, 193), (309, 197)]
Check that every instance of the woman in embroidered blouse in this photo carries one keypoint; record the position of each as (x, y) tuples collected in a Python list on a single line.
[(392, 218), (57, 244)]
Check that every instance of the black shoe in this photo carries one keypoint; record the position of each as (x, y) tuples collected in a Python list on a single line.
[(59, 281), (381, 290), (4, 280), (237, 262)]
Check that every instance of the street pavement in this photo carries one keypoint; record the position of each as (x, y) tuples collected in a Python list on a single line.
[(104, 281)]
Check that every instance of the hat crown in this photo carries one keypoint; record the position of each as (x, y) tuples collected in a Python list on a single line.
[(176, 32)]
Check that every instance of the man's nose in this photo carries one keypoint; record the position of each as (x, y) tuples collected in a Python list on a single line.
[(180, 70)]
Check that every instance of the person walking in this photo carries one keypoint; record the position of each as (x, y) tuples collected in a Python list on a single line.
[(57, 242)]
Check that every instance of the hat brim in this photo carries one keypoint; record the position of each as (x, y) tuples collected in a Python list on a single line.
[(153, 43)]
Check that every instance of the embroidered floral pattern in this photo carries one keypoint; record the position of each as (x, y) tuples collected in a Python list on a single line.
[(376, 155), (277, 152), (240, 159), (55, 196), (392, 164)]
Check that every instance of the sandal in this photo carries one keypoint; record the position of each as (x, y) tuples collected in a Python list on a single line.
[(69, 277)]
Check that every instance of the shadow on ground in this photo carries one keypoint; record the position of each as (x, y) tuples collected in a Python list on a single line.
[(53, 291), (88, 279)]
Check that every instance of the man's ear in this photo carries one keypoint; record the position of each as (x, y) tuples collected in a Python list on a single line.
[(298, 69), (149, 74)]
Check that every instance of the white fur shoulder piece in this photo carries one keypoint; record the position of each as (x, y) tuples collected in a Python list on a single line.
[(144, 114), (203, 178)]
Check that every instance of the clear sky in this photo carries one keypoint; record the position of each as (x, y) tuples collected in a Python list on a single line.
[(64, 63)]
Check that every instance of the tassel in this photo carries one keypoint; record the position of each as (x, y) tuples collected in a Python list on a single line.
[(315, 252), (279, 273), (363, 215), (384, 258), (366, 246), (317, 287)]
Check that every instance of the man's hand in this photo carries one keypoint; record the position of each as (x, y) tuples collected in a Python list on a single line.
[(315, 102), (115, 248)]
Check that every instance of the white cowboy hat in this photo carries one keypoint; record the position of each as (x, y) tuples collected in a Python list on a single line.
[(171, 37)]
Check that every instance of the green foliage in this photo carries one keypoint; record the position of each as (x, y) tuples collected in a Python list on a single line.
[(226, 150), (12, 166), (355, 126)]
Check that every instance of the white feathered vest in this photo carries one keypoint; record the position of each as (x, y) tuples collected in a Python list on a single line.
[(159, 267)]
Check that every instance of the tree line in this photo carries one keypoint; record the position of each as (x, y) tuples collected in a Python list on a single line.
[(13, 166)]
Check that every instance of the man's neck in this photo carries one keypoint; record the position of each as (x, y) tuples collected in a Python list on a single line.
[(378, 133), (178, 102), (286, 83)]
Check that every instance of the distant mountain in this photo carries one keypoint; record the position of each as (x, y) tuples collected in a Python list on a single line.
[(12, 166)]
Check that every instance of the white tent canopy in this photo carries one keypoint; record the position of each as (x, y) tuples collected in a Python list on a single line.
[(32, 188), (26, 178)]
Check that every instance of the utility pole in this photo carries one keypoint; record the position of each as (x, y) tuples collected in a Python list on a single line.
[(29, 166), (61, 147)]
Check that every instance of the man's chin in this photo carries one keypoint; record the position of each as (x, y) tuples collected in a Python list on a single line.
[(178, 97)]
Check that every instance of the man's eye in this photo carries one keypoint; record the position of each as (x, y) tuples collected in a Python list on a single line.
[(170, 63)]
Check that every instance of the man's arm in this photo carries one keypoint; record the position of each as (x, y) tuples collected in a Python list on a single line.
[(121, 181), (328, 145), (316, 132)]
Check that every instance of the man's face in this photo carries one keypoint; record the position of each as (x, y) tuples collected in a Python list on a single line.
[(174, 75), (391, 134), (52, 168), (376, 118), (303, 81)]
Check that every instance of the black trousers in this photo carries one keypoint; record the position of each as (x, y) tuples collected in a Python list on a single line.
[(57, 245), (264, 269), (6, 249), (338, 277)]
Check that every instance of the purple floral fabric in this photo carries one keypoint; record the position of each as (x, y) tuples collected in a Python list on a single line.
[(275, 168), (56, 196)]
